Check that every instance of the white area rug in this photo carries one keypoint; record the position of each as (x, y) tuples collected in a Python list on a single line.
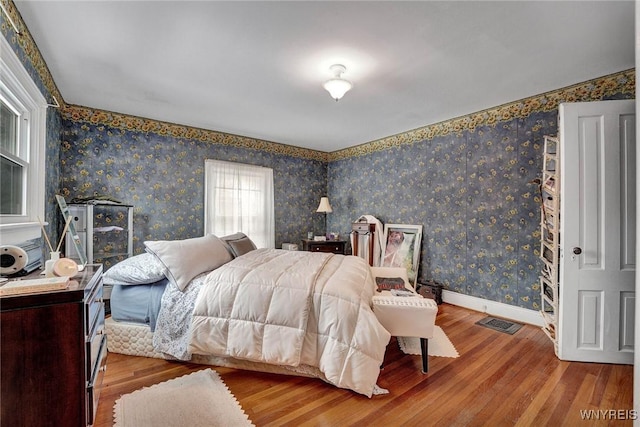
[(200, 399), (439, 345)]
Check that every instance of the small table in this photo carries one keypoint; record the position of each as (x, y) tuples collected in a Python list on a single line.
[(331, 246)]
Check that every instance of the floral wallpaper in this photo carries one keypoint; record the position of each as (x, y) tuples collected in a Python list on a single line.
[(469, 184), (467, 180), (162, 176)]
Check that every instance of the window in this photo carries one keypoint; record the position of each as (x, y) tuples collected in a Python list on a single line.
[(239, 197), (14, 156), (22, 149)]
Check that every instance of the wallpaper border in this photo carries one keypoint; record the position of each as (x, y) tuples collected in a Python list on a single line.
[(25, 41), (591, 90), (94, 116)]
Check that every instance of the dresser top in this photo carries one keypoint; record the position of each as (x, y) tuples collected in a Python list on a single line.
[(80, 286)]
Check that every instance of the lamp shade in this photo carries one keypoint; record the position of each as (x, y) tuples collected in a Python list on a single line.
[(324, 205)]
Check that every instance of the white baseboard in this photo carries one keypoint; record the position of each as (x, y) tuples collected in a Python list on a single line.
[(494, 308)]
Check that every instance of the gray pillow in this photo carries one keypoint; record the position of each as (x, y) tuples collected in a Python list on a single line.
[(137, 270), (185, 259), (239, 244)]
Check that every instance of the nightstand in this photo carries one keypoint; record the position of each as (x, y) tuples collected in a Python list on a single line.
[(331, 246)]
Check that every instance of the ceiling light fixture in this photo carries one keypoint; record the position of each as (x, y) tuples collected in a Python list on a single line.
[(337, 86)]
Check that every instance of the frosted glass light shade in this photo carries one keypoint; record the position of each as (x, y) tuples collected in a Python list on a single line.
[(337, 87)]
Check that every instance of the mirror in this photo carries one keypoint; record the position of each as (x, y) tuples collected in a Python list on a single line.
[(77, 243), (402, 248)]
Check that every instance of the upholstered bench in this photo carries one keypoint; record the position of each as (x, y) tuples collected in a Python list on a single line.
[(405, 316)]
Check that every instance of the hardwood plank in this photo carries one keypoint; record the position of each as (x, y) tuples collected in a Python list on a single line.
[(499, 379)]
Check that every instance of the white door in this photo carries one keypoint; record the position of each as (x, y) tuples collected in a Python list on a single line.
[(597, 223)]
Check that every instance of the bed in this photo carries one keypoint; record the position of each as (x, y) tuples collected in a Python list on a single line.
[(223, 302)]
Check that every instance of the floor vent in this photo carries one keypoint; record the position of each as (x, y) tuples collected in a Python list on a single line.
[(500, 325)]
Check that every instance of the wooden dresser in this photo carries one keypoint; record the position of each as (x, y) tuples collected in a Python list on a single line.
[(53, 354)]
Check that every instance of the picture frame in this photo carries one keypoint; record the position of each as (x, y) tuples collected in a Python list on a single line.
[(402, 245)]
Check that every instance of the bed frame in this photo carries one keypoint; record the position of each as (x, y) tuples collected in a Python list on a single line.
[(134, 339)]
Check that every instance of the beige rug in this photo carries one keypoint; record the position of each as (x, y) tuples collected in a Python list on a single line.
[(200, 399), (439, 345)]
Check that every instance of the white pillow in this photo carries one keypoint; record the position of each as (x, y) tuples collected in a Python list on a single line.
[(137, 270), (185, 259)]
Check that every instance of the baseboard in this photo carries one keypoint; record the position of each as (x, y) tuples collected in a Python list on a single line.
[(493, 308)]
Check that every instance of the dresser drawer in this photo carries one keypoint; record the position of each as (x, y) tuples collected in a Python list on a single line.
[(94, 308), (93, 344), (330, 246), (327, 248), (97, 376), (363, 227)]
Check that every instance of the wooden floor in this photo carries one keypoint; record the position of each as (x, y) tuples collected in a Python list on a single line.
[(498, 380)]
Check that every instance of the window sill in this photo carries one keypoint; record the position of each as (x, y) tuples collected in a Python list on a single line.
[(11, 234)]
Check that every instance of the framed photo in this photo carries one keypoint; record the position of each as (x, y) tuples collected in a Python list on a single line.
[(402, 245)]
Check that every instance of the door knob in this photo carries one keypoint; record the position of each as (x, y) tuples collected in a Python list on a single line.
[(577, 251)]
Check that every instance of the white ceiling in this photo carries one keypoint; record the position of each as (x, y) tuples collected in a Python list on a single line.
[(256, 68)]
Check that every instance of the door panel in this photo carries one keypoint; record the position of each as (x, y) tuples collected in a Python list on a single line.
[(597, 245), (589, 305), (628, 310), (628, 191), (590, 149)]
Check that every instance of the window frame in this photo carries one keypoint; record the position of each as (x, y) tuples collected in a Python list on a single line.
[(23, 91)]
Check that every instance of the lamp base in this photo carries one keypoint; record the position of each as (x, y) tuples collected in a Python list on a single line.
[(325, 224)]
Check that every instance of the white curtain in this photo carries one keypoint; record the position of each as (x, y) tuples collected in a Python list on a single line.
[(239, 197)]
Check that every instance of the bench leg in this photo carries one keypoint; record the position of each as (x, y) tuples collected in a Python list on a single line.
[(424, 347)]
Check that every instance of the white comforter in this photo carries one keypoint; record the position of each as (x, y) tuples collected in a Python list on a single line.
[(293, 308)]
